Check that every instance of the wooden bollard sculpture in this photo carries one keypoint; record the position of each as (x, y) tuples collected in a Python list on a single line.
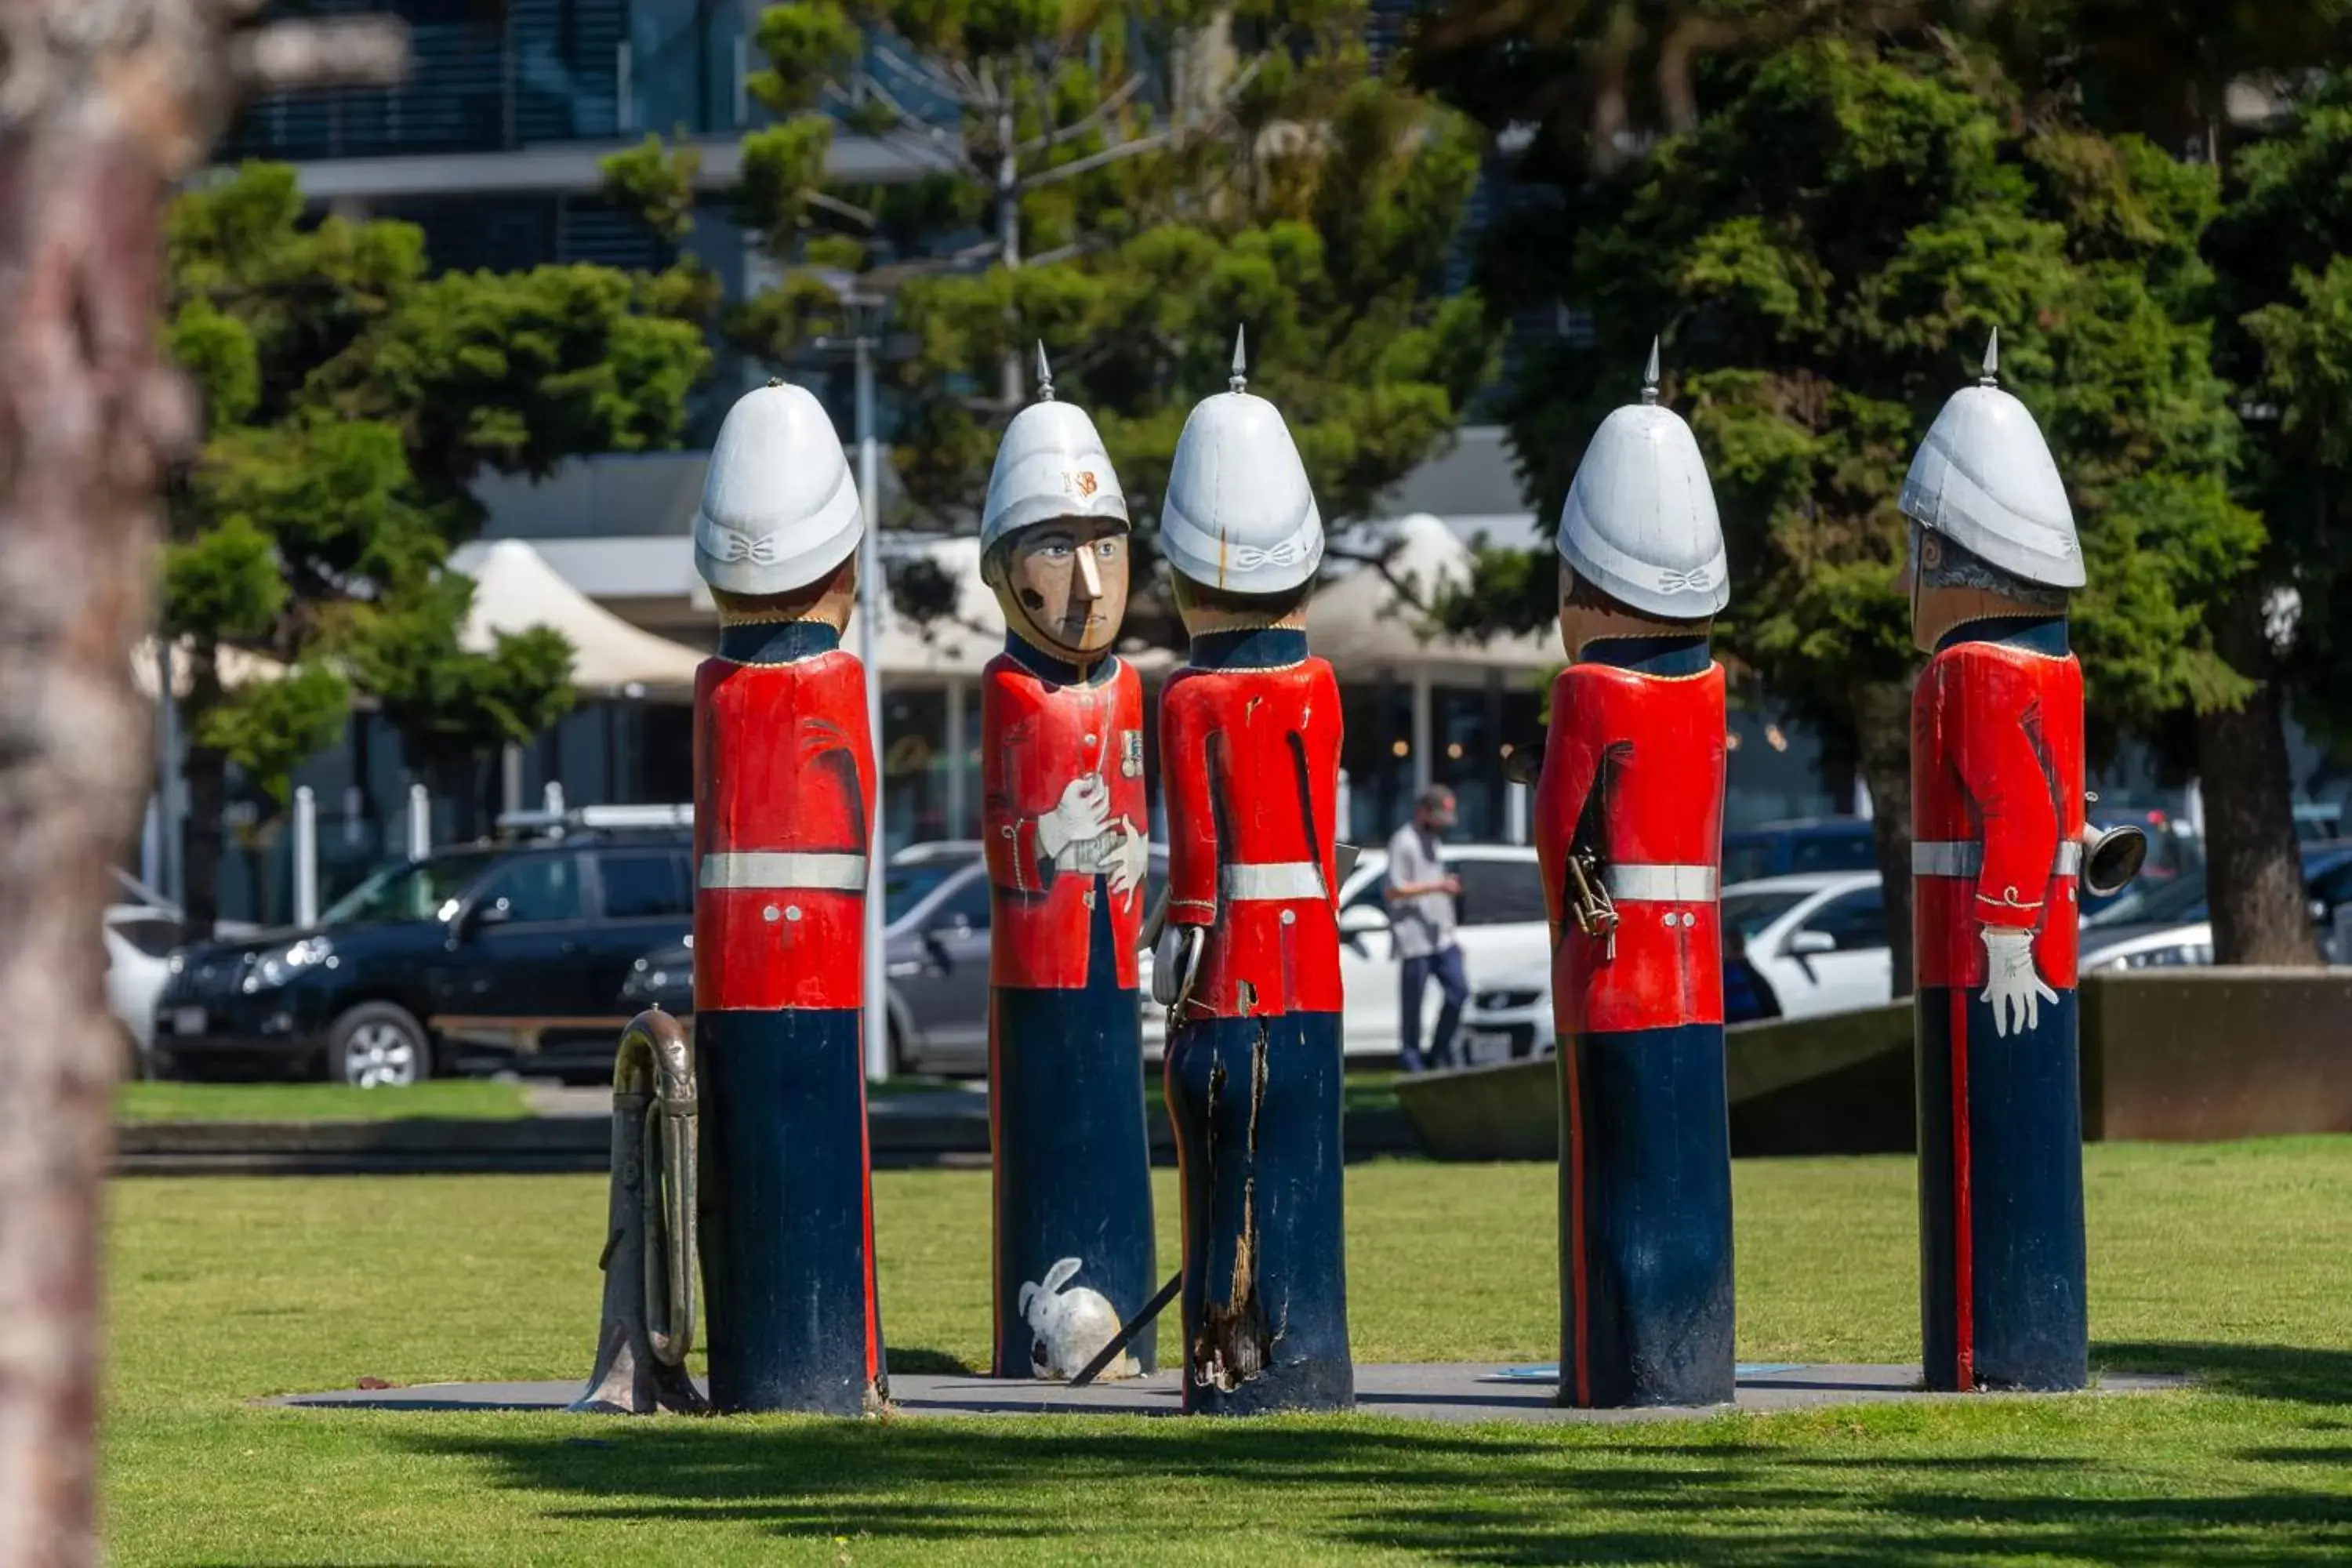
[(783, 775), (1062, 769), (1999, 846), (1628, 823), (1249, 957)]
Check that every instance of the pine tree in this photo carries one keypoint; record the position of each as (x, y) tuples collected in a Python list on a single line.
[(1138, 180), (1826, 252), (350, 399)]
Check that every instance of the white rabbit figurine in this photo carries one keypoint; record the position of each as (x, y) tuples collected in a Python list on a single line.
[(1071, 1326)]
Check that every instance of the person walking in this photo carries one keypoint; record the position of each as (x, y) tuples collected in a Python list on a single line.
[(1421, 894)]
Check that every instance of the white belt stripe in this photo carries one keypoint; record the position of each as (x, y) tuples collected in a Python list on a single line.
[(1660, 884), (759, 869), (1281, 879), (1965, 857)]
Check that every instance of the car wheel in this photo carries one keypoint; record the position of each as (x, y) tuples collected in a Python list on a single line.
[(378, 1045)]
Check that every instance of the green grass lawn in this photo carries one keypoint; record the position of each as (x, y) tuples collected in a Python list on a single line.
[(473, 1099), (2234, 1262)]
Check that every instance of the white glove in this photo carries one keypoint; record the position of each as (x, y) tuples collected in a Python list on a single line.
[(1173, 961), (1125, 858), (2013, 988), (1082, 814)]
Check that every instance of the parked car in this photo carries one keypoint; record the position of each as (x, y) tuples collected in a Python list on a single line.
[(1512, 1016), (935, 941), (1812, 843), (2166, 926), (140, 932), (1501, 925), (1817, 942), (518, 952)]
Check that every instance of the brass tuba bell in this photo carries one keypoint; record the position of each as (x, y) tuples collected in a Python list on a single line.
[(650, 1261)]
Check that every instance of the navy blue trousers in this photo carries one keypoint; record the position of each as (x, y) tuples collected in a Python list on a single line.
[(1073, 1158), (787, 1211), (1445, 968), (1256, 1104), (2000, 1197), (1645, 1218)]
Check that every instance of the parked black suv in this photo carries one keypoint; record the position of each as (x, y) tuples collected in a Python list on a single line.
[(511, 952)]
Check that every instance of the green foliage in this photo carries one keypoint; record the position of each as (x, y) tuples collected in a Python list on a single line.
[(1825, 251), (1268, 185), (350, 401), (2287, 337), (270, 725), (223, 583), (452, 701)]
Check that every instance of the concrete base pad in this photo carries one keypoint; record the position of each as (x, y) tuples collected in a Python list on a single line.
[(1451, 1391)]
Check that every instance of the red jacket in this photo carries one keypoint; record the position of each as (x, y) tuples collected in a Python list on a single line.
[(1249, 763), (784, 772), (1641, 756), (1996, 807), (1035, 737)]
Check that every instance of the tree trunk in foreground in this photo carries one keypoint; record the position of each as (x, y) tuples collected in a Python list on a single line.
[(102, 104), (2253, 869), (1882, 716)]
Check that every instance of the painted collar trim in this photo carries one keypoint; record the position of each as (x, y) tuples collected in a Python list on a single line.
[(1265, 647), (1682, 654), (777, 642)]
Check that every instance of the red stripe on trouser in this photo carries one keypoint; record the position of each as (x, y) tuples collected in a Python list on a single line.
[(1576, 1224), (1963, 1232)]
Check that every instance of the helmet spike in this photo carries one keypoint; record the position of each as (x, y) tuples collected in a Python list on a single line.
[(1044, 374), (1991, 376), (1241, 358), (1650, 374)]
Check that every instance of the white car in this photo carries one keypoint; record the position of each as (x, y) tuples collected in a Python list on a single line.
[(1501, 926), (1509, 1016), (140, 933), (1818, 940), (139, 942)]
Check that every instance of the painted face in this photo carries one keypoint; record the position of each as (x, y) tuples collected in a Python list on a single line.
[(1065, 585)]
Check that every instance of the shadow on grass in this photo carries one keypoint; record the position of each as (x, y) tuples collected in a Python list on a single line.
[(2259, 1371), (1723, 1492)]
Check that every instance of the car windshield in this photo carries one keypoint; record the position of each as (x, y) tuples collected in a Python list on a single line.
[(904, 887), (1747, 914), (410, 890)]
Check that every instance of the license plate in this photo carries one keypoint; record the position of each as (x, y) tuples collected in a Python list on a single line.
[(187, 1020), (1485, 1045)]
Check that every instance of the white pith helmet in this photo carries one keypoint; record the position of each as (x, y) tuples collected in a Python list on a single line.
[(1984, 478), (1239, 514), (779, 509), (1050, 464), (1640, 523)]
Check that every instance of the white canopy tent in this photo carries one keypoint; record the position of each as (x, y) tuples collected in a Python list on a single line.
[(515, 589), (1374, 616)]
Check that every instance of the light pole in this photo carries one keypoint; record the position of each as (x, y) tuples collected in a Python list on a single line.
[(861, 311)]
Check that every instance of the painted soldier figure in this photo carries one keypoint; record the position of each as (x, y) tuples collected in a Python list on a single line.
[(783, 773), (1061, 723), (1998, 845), (1249, 957), (1628, 825)]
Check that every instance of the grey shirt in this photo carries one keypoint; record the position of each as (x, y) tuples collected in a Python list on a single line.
[(1423, 924)]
